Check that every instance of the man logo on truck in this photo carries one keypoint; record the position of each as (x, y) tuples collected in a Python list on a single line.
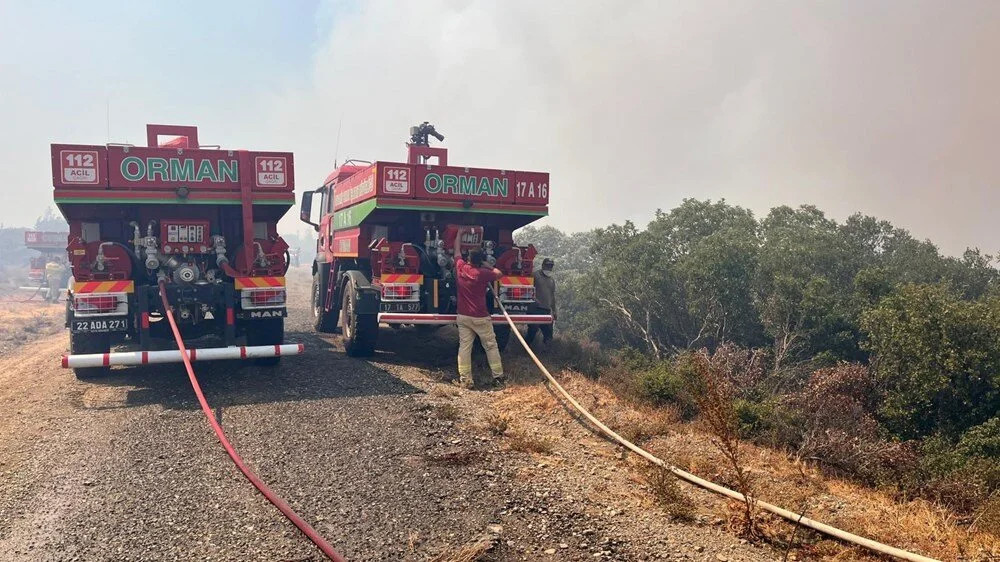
[(134, 168), (465, 185)]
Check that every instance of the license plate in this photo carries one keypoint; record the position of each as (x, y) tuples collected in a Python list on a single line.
[(101, 325), (401, 307)]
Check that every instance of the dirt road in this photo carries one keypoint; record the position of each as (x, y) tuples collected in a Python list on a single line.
[(383, 458)]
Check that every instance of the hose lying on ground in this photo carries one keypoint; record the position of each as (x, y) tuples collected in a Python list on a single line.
[(21, 301), (279, 503), (711, 486)]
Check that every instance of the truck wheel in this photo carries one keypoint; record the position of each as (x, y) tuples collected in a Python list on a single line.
[(502, 332), (359, 331), (81, 344), (270, 331), (325, 322)]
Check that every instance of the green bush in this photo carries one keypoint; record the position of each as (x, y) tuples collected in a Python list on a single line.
[(962, 475), (665, 383), (982, 440), (767, 422)]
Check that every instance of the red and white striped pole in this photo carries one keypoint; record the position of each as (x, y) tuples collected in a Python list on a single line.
[(174, 356)]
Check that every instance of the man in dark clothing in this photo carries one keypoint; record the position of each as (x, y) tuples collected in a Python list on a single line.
[(545, 297), (473, 316)]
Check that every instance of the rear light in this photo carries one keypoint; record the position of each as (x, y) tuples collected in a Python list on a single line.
[(271, 297), (517, 293), (401, 292), (100, 304)]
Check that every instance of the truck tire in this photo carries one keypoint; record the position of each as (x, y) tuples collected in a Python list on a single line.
[(325, 322), (360, 331), (81, 344), (270, 331)]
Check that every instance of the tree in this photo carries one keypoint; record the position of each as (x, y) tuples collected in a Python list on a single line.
[(936, 357), (804, 284), (572, 252), (682, 283), (51, 222)]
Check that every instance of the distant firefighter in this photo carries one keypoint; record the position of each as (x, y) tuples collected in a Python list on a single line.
[(55, 274), (545, 295)]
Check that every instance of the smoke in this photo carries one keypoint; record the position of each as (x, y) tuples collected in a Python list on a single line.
[(888, 108)]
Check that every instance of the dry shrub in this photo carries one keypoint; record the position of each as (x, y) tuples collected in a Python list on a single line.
[(527, 442), (497, 424), (448, 412), (668, 493), (562, 354), (836, 426), (715, 402), (740, 368), (582, 356)]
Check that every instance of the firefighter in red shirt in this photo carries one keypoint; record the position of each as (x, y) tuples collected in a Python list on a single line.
[(473, 317)]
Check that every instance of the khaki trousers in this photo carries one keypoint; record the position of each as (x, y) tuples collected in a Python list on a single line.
[(468, 328)]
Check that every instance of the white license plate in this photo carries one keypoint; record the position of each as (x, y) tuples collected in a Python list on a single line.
[(101, 325), (400, 307)]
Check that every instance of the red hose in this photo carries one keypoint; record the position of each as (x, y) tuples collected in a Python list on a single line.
[(279, 503)]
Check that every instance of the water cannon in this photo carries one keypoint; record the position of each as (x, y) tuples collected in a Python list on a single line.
[(419, 134)]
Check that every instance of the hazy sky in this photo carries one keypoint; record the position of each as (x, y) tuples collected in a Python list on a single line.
[(891, 108)]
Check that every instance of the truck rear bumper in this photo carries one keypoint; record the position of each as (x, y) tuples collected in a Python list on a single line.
[(442, 319), (174, 356)]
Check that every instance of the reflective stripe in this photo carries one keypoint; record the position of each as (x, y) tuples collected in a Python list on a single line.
[(80, 287), (402, 278), (516, 280), (259, 282)]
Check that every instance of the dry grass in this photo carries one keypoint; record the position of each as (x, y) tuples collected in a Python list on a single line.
[(460, 457), (987, 519), (640, 425), (23, 322), (443, 391), (412, 540), (470, 552), (528, 442)]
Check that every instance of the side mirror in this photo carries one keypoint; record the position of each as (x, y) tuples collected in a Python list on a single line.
[(305, 212)]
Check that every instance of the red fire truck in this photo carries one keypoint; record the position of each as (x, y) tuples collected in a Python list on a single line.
[(197, 224), (51, 245), (386, 241)]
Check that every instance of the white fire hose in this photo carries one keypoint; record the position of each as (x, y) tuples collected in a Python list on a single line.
[(711, 486)]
